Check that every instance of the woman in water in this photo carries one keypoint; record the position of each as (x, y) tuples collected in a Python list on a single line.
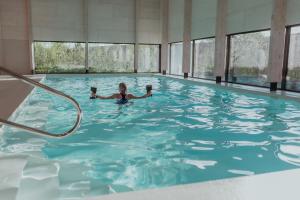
[(122, 97)]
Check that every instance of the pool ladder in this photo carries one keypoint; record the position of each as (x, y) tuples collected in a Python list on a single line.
[(52, 91)]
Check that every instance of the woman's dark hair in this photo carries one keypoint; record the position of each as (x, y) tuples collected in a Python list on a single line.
[(123, 85)]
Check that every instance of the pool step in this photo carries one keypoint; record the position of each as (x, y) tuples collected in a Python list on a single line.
[(34, 113), (11, 168), (39, 180), (32, 177), (77, 184)]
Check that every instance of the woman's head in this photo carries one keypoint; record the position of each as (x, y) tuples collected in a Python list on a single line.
[(122, 88)]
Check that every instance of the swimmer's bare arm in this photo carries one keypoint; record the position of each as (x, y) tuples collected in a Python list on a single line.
[(114, 96), (130, 96)]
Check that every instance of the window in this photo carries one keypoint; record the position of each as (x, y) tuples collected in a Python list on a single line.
[(293, 75), (59, 57), (204, 58), (111, 57), (148, 58), (249, 55), (176, 58)]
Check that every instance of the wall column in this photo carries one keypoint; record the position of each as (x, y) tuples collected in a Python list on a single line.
[(30, 38), (165, 35), (86, 32), (186, 59), (220, 46), (277, 43), (137, 29), (16, 36), (1, 45)]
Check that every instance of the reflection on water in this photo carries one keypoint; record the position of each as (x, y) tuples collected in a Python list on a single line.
[(185, 133)]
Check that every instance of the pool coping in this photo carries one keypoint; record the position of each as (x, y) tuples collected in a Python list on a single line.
[(9, 78), (242, 88), (276, 186), (38, 78), (17, 106)]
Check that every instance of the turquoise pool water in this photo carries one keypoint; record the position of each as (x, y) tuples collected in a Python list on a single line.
[(186, 133)]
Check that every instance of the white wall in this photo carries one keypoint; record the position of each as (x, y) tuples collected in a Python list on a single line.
[(204, 13), (57, 20), (111, 21), (293, 12), (14, 37), (248, 15), (176, 19), (149, 22)]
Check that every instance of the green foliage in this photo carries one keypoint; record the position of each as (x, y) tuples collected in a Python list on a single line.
[(56, 57), (294, 73), (247, 71), (148, 58), (111, 58)]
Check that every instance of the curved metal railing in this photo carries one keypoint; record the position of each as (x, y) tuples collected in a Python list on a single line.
[(51, 90)]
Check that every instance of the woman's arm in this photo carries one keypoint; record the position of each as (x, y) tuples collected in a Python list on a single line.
[(114, 96), (130, 96)]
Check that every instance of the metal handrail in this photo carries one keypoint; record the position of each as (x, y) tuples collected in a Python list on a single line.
[(50, 90)]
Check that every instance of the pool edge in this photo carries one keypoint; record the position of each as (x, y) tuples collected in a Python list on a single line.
[(274, 185), (241, 88)]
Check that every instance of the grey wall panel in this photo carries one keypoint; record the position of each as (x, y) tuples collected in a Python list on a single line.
[(176, 18), (248, 15), (204, 14)]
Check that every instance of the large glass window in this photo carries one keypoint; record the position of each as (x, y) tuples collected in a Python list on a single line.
[(148, 58), (111, 57), (59, 57), (204, 58), (293, 76), (249, 55), (176, 58)]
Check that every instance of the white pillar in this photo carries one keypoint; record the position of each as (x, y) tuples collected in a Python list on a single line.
[(1, 52), (186, 59), (137, 29), (277, 41), (86, 31), (220, 48), (16, 36), (1, 44), (30, 38), (165, 35)]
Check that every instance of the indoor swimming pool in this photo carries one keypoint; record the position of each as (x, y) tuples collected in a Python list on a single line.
[(187, 132)]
